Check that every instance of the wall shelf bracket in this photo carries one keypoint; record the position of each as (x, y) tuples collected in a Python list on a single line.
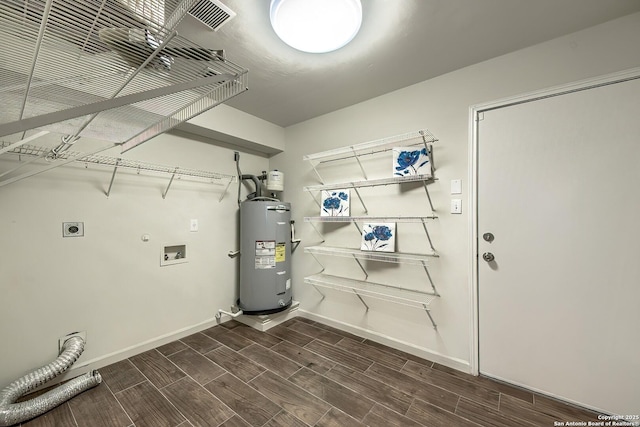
[(426, 309), (361, 300), (173, 175), (113, 176), (426, 230), (360, 198), (366, 275), (426, 270)]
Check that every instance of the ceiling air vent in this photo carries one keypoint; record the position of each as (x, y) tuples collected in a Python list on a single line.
[(212, 13)]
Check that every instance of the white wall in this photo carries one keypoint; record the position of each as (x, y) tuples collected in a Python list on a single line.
[(441, 105), (110, 283)]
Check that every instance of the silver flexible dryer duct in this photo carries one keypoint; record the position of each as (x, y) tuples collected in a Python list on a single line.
[(12, 413)]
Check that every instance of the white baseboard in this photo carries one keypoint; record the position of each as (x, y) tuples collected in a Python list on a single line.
[(424, 353), (261, 323), (82, 366)]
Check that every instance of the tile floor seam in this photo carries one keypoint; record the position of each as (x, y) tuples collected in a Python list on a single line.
[(72, 414), (171, 403), (327, 411), (118, 401)]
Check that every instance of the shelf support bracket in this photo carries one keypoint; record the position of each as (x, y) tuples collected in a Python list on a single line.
[(360, 197), (113, 176), (366, 275), (359, 163), (164, 195), (224, 193), (426, 270), (361, 300), (318, 261), (317, 173), (426, 189), (426, 309), (318, 290), (317, 231), (424, 225), (315, 200)]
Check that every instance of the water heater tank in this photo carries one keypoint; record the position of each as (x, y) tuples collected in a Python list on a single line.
[(265, 260)]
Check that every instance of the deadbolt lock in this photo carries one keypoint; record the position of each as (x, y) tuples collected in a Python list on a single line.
[(488, 237), (488, 256)]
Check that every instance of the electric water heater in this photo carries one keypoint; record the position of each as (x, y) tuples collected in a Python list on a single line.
[(265, 260)]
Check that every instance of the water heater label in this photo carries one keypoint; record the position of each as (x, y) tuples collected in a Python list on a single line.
[(265, 254), (280, 252), (265, 262), (266, 247)]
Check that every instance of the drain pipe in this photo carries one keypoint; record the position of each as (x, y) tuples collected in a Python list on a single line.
[(12, 413)]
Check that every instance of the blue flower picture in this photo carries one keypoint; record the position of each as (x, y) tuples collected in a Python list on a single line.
[(335, 203), (379, 237), (409, 161)]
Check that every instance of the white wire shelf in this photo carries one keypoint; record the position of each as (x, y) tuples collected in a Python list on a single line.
[(107, 161), (422, 137), (105, 70), (418, 219), (395, 294), (392, 257), (371, 182)]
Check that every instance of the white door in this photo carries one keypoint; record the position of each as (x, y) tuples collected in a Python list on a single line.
[(559, 188)]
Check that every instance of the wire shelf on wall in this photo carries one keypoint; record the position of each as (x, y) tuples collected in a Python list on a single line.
[(370, 182), (114, 71), (403, 296), (117, 162), (419, 137), (392, 257), (419, 219)]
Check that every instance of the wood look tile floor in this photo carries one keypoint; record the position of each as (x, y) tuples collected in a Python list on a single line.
[(299, 373)]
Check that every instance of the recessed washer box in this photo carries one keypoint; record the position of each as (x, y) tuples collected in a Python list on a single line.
[(72, 229), (173, 254)]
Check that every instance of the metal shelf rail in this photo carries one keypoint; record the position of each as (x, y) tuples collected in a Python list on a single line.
[(397, 295), (421, 137), (117, 162), (391, 257), (106, 71), (356, 219)]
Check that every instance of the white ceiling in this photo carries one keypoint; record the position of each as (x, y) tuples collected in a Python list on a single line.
[(401, 42)]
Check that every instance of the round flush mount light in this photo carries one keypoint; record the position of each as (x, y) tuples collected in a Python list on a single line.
[(316, 26)]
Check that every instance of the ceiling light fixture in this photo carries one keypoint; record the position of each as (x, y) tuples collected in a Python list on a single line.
[(316, 26)]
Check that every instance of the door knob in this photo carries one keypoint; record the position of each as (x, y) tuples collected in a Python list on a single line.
[(488, 256), (488, 237)]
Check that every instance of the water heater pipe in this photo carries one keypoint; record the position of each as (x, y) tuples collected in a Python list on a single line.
[(228, 313), (13, 413)]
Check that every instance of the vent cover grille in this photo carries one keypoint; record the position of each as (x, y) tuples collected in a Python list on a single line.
[(212, 13)]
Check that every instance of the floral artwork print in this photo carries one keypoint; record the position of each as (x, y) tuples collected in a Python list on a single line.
[(411, 161), (379, 237), (335, 203)]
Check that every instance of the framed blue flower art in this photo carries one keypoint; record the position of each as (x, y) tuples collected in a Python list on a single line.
[(335, 203), (411, 161), (379, 237)]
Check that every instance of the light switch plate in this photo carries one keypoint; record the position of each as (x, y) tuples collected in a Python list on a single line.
[(456, 206), (193, 226), (456, 186)]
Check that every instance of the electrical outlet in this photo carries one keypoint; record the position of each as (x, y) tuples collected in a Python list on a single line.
[(61, 340), (456, 206), (72, 229)]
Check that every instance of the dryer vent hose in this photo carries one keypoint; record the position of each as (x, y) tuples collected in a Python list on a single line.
[(13, 413)]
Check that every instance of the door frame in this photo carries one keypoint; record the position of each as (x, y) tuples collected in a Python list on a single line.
[(475, 115)]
